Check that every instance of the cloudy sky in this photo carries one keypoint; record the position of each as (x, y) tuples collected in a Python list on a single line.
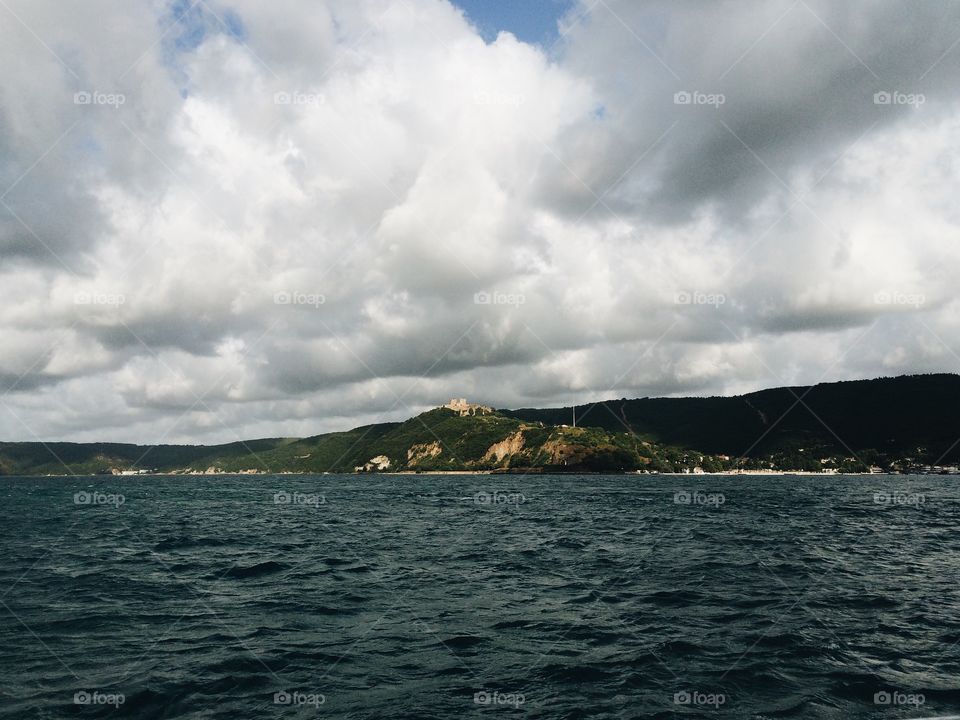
[(224, 219)]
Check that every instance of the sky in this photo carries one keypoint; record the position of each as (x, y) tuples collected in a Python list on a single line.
[(226, 219), (531, 21)]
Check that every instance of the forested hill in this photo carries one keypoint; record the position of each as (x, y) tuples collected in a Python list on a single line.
[(895, 416)]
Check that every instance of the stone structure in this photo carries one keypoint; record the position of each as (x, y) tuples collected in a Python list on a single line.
[(461, 406)]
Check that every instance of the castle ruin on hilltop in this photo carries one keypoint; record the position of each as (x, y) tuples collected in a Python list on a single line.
[(461, 406)]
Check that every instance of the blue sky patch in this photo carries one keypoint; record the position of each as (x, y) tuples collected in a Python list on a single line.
[(533, 21)]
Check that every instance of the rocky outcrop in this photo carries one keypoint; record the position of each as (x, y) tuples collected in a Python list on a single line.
[(505, 448), (380, 462), (423, 451), (559, 452)]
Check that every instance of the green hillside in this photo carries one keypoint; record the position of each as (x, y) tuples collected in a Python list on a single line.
[(894, 423), (438, 440), (881, 420)]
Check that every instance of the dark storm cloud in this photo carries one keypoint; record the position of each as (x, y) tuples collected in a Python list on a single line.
[(796, 83)]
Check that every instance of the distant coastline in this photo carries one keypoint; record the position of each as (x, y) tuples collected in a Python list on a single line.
[(517, 472), (905, 425)]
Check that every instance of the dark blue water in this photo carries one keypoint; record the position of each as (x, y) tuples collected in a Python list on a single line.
[(552, 597)]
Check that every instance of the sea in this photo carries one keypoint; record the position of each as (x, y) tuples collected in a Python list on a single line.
[(455, 596)]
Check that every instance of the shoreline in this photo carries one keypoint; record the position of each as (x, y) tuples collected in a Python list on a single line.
[(405, 473)]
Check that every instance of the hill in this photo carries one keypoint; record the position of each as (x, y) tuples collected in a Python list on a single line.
[(911, 417), (435, 441), (893, 423)]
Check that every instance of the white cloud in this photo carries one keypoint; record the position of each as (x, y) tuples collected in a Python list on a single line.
[(284, 227)]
